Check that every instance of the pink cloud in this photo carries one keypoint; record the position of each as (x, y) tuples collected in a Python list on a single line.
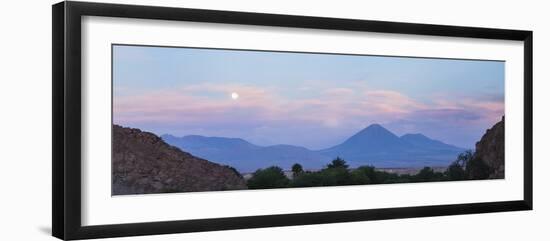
[(210, 106)]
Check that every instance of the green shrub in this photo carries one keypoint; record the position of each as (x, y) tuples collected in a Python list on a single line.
[(359, 177), (335, 176), (271, 177), (307, 179), (455, 172), (476, 169)]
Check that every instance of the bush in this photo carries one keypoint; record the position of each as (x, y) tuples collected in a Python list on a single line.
[(426, 174), (477, 169), (325, 177), (463, 158), (271, 177), (307, 179), (335, 176), (338, 163), (336, 173), (297, 169), (359, 177), (455, 172), (467, 166)]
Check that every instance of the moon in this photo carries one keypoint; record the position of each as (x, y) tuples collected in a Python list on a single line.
[(234, 95)]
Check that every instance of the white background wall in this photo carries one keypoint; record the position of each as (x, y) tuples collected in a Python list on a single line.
[(25, 123)]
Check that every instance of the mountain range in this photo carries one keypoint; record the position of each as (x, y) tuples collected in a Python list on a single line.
[(373, 145)]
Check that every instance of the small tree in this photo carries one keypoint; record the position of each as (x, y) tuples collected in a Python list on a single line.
[(297, 169), (338, 163), (457, 169), (463, 158), (426, 174), (468, 166), (455, 172)]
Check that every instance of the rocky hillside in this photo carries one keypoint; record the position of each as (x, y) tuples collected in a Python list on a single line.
[(490, 149), (143, 163)]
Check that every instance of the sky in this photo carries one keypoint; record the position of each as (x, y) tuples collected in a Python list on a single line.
[(311, 100)]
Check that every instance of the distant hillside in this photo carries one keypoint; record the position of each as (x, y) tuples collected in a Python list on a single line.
[(423, 142), (373, 145), (243, 155), (144, 163), (382, 148)]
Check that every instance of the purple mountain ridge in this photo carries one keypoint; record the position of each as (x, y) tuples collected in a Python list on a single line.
[(373, 145)]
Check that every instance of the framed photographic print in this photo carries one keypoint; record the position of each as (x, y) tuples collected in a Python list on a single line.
[(170, 120)]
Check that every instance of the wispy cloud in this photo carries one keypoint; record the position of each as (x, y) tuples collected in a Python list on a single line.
[(258, 109), (313, 100)]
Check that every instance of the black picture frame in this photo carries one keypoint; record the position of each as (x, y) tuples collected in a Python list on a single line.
[(66, 158)]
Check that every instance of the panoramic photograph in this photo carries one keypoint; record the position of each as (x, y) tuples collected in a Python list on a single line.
[(199, 119)]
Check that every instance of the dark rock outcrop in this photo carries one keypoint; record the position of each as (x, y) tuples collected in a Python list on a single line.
[(143, 163), (490, 149)]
